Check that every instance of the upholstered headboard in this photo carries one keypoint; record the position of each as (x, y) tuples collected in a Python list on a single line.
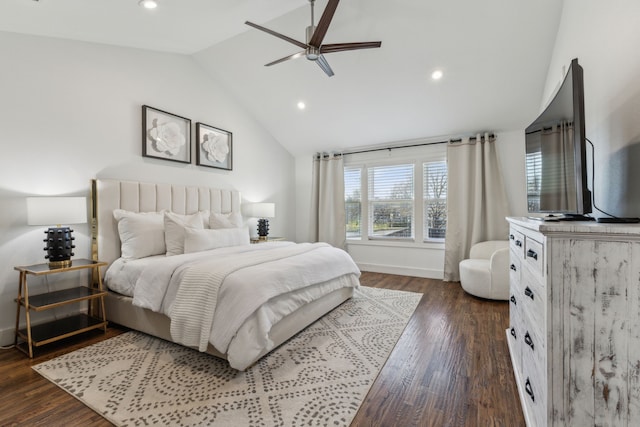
[(134, 196)]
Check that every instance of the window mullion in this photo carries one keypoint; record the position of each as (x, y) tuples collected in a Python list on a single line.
[(418, 202)]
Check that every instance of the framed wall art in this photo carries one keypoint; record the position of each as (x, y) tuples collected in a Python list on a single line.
[(214, 147), (165, 136)]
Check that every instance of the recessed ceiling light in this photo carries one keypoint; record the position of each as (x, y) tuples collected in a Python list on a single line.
[(302, 105), (148, 4), (436, 75)]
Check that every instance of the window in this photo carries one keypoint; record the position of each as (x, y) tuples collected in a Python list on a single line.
[(435, 199), (397, 196), (391, 201), (352, 201)]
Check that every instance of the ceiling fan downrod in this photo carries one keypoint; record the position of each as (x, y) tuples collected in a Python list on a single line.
[(311, 53)]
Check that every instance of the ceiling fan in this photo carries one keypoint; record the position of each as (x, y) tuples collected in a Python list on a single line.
[(314, 50)]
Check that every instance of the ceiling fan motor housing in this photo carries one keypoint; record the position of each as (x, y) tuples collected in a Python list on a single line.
[(312, 53)]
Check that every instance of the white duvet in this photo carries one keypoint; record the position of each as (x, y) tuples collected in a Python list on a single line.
[(261, 293)]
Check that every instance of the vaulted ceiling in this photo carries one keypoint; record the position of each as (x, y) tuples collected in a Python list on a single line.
[(494, 55)]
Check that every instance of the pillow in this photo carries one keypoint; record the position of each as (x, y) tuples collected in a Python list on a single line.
[(230, 220), (201, 240), (174, 226), (141, 233)]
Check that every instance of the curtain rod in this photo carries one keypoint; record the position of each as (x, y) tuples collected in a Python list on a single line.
[(473, 138)]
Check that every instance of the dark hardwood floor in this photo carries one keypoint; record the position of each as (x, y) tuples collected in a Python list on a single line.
[(451, 367)]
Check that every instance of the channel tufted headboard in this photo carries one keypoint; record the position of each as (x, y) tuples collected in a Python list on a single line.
[(134, 196)]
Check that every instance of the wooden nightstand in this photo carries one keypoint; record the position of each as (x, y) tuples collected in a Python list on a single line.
[(41, 334), (269, 239)]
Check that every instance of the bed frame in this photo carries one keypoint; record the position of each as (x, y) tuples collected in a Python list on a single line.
[(108, 195)]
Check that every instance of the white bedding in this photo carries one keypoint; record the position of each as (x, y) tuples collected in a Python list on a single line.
[(260, 294)]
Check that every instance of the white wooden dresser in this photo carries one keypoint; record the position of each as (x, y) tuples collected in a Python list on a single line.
[(574, 334)]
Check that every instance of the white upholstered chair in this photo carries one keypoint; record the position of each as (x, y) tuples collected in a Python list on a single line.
[(486, 273)]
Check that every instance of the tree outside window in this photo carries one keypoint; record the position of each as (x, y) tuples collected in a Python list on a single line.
[(435, 198)]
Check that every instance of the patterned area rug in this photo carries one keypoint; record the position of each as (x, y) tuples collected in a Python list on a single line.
[(319, 377)]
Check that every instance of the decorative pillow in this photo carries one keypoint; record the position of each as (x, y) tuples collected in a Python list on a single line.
[(174, 226), (141, 233), (201, 240), (230, 220)]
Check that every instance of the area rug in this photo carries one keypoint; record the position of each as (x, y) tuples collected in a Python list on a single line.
[(319, 377)]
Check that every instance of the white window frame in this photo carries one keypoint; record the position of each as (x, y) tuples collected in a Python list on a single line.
[(415, 155)]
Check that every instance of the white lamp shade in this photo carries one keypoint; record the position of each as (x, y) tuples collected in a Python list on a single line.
[(56, 210), (259, 210)]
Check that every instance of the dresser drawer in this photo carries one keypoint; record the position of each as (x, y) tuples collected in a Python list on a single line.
[(535, 388), (534, 256), (532, 299), (516, 242), (515, 265)]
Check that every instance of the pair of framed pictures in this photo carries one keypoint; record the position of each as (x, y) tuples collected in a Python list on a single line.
[(168, 136)]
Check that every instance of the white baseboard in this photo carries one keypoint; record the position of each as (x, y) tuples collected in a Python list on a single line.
[(402, 271)]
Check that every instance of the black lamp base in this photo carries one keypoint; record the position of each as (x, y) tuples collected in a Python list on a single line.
[(263, 229), (59, 246)]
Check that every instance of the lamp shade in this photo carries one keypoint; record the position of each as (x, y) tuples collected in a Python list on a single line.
[(56, 210), (259, 210)]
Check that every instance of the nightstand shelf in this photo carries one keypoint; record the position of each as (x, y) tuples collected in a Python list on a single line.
[(58, 298), (58, 329), (268, 239), (45, 333)]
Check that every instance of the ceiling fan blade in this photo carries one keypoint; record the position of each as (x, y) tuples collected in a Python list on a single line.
[(280, 36), (339, 47), (323, 24), (322, 63), (286, 58)]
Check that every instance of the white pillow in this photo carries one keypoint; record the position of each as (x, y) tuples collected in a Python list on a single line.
[(201, 240), (174, 226), (141, 233), (230, 220)]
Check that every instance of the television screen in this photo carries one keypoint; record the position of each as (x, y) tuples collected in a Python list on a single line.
[(556, 152)]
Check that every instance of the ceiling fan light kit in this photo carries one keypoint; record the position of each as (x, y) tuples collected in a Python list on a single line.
[(314, 50)]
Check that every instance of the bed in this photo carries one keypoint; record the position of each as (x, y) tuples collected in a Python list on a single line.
[(210, 289)]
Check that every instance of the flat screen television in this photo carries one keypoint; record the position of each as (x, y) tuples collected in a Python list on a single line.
[(555, 144)]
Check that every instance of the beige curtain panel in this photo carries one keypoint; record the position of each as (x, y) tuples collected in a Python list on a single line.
[(327, 200), (476, 200)]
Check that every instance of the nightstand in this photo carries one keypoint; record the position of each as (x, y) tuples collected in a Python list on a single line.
[(45, 333), (269, 239)]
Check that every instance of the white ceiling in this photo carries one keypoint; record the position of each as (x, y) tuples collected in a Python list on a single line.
[(494, 55)]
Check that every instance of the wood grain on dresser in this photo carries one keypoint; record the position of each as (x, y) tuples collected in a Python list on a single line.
[(586, 323)]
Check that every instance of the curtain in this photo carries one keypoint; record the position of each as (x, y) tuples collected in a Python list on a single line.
[(327, 220), (476, 200)]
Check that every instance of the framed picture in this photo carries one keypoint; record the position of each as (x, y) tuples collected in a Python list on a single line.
[(165, 135), (214, 147)]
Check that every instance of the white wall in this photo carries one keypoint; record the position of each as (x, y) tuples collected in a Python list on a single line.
[(416, 259), (605, 36), (71, 111)]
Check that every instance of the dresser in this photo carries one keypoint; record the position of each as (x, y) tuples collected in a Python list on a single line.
[(574, 333)]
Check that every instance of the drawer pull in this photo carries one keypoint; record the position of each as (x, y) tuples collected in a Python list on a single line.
[(513, 267), (519, 243), (513, 299), (513, 332), (528, 292), (532, 254), (511, 237), (528, 340), (529, 390)]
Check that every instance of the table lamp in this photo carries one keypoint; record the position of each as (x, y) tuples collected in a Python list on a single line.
[(57, 210), (261, 211)]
